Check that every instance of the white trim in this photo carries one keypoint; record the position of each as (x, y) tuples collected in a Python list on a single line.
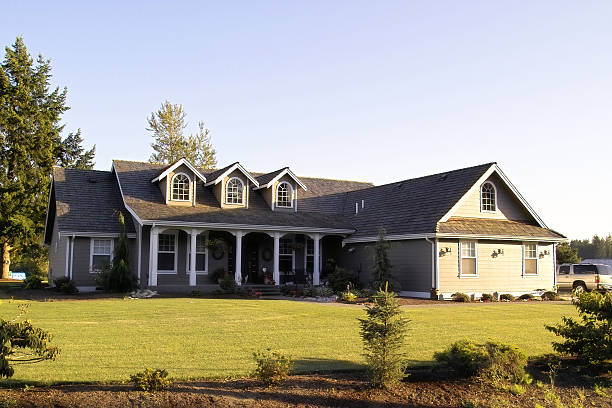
[(67, 270), (401, 237), (177, 164), (168, 272), (397, 237), (494, 197), (494, 168), (475, 257), (188, 266), (188, 200), (528, 275), (71, 256), (91, 250), (286, 171), (139, 243), (409, 293), (251, 227), (235, 166), (290, 188), (87, 234), (243, 198)]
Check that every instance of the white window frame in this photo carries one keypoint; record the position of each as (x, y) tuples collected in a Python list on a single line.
[(227, 191), (174, 271), (188, 267), (91, 251), (289, 191), (537, 259), (460, 256), (292, 243), (494, 197), (188, 187)]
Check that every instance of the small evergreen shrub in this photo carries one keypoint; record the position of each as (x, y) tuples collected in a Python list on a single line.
[(392, 285), (318, 291), (551, 296), (65, 285), (526, 296), (506, 297), (341, 280), (151, 380), (32, 282), (273, 368), (487, 297), (491, 361), (461, 297), (228, 284), (348, 296)]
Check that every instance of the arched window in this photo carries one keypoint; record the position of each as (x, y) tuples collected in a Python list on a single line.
[(180, 187), (283, 195), (487, 197), (233, 191)]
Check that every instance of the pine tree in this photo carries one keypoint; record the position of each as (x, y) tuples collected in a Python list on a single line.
[(383, 333), (72, 154), (170, 143), (382, 266), (119, 278), (567, 254)]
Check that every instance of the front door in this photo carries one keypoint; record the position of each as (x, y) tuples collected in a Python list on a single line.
[(252, 251)]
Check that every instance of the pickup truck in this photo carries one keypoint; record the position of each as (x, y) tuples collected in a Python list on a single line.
[(581, 277)]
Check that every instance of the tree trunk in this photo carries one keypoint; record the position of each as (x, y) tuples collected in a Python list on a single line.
[(6, 260)]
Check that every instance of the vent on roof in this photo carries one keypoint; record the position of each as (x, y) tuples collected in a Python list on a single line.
[(443, 177), (398, 186), (92, 181)]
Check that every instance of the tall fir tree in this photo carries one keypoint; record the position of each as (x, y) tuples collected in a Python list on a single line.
[(71, 153), (170, 143), (382, 266), (30, 144)]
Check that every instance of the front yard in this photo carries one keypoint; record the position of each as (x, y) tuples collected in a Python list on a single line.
[(106, 340)]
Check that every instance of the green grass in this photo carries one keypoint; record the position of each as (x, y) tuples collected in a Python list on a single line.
[(107, 340)]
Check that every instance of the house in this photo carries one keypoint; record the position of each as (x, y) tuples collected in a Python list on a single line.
[(466, 230)]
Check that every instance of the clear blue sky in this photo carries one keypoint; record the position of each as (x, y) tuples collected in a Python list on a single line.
[(374, 91)]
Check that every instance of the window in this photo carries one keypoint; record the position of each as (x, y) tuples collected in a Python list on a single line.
[(585, 269), (487, 197), (467, 262), (564, 270), (201, 252), (530, 255), (101, 252), (234, 191), (166, 254), (283, 195), (285, 260), (180, 187)]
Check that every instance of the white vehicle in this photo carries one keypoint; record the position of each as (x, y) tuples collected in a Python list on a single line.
[(581, 277)]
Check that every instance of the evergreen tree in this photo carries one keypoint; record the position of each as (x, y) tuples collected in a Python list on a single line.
[(382, 266), (119, 278), (383, 333), (72, 154), (170, 143), (567, 254)]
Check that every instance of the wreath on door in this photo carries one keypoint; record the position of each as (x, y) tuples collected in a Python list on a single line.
[(266, 255)]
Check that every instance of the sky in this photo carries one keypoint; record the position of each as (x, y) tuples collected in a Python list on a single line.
[(360, 90)]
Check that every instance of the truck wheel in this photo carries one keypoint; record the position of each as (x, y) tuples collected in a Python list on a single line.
[(579, 287)]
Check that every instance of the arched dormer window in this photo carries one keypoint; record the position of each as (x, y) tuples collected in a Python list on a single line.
[(284, 194), (234, 189), (180, 187), (488, 199)]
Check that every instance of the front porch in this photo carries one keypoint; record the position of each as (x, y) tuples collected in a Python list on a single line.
[(197, 259)]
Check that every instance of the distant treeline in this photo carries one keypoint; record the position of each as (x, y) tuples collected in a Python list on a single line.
[(596, 247)]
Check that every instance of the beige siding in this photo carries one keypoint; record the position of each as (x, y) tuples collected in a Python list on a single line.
[(167, 187), (508, 207), (245, 192), (501, 273)]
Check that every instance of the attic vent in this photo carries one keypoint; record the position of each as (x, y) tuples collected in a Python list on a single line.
[(443, 177)]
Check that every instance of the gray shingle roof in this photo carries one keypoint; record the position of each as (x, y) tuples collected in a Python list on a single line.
[(88, 201), (479, 226), (266, 178)]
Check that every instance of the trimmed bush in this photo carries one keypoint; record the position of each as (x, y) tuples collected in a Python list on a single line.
[(551, 296), (506, 297), (526, 296), (273, 368), (65, 285), (461, 297), (32, 282), (228, 284), (318, 291), (348, 297), (491, 361), (487, 297), (341, 280), (151, 380)]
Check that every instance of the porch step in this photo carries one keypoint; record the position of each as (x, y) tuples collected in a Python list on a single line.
[(266, 290)]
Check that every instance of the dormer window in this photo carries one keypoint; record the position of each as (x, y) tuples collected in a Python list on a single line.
[(487, 197), (234, 189), (180, 187), (284, 194)]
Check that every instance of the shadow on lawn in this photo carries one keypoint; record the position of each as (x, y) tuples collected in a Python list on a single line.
[(321, 365)]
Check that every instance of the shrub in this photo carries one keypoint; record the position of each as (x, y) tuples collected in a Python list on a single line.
[(65, 285), (318, 291), (487, 297), (32, 282), (341, 280), (273, 368), (526, 296), (151, 380), (348, 296), (391, 284), (506, 297), (383, 332), (228, 284), (196, 293), (551, 296), (590, 338), (460, 297), (491, 361)]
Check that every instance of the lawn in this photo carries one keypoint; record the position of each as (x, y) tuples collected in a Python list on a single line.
[(109, 339)]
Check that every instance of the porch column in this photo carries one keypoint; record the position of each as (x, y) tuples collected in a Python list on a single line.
[(276, 270), (153, 256), (238, 263), (315, 264), (192, 259)]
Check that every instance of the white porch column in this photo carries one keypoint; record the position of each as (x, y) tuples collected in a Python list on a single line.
[(315, 272), (153, 256), (238, 263), (192, 259), (276, 270)]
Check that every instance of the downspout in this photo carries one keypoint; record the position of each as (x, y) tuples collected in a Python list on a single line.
[(554, 254), (433, 263), (71, 255)]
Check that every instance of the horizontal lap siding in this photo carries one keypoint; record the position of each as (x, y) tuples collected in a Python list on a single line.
[(495, 274), (57, 255), (80, 263)]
